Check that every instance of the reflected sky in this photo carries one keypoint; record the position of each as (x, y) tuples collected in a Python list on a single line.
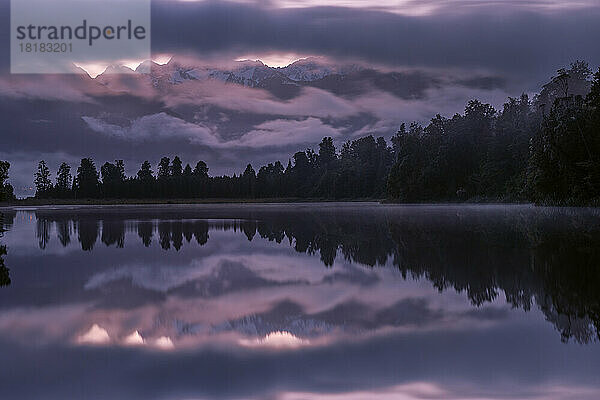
[(314, 301)]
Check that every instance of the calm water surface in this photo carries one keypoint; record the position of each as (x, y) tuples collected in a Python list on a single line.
[(289, 302)]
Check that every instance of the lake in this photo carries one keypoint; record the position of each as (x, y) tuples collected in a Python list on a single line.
[(300, 301)]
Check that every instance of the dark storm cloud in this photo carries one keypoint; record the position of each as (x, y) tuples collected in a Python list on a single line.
[(516, 38), (4, 36), (521, 43), (42, 118)]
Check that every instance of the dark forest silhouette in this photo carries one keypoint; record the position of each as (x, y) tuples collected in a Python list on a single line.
[(547, 258), (359, 171), (545, 150)]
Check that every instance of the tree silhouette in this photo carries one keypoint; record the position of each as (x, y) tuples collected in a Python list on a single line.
[(63, 180), (4, 167), (164, 168), (145, 174), (568, 81), (248, 182), (479, 154), (564, 165), (144, 182), (43, 184), (113, 178), (176, 167), (201, 169), (87, 184), (6, 190), (327, 153)]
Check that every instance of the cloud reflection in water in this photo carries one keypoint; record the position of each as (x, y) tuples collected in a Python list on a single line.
[(385, 302)]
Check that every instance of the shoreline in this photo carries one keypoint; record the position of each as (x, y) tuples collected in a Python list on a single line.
[(32, 202), (116, 202)]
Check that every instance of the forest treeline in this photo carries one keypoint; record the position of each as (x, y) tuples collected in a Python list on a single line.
[(360, 170), (545, 150)]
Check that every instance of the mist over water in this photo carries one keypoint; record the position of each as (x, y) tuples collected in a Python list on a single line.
[(302, 301)]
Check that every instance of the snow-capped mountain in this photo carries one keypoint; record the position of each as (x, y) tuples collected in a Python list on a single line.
[(313, 69), (346, 80), (254, 74), (284, 82), (306, 71), (246, 73)]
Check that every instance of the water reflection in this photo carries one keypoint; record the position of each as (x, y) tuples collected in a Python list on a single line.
[(545, 257), (4, 271), (303, 302)]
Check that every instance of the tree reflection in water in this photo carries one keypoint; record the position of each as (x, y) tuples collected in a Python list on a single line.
[(4, 271), (549, 258)]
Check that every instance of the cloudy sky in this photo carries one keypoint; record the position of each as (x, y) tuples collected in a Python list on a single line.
[(400, 60)]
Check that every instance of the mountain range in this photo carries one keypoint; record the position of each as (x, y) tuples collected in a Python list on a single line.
[(286, 82), (228, 114)]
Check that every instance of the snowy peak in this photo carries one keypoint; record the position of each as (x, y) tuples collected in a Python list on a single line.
[(312, 69), (250, 73), (247, 73), (146, 67), (307, 70), (117, 69)]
